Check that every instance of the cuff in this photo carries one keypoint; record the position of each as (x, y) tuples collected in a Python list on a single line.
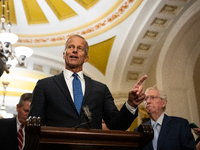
[(130, 108)]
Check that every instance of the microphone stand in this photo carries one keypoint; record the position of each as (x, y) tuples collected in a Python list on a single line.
[(88, 115), (84, 123)]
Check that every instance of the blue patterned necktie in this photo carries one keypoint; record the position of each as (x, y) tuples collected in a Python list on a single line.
[(156, 133), (77, 91)]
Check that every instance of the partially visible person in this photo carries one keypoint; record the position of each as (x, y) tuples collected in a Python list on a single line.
[(197, 132), (56, 101), (11, 127), (170, 133)]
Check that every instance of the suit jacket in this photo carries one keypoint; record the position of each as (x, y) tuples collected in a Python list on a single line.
[(175, 134), (53, 103), (8, 134), (197, 140)]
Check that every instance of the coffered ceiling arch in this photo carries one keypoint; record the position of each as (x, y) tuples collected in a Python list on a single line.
[(176, 69)]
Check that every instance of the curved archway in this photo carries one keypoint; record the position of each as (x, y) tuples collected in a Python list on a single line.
[(176, 65)]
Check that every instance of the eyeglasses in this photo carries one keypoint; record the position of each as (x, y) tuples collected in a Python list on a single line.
[(151, 98)]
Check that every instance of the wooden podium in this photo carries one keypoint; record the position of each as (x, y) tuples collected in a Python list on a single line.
[(53, 138)]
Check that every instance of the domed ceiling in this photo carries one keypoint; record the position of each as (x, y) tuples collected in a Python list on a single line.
[(123, 36)]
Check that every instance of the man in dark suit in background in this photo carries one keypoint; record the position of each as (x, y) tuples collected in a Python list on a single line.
[(174, 133), (53, 97), (11, 126)]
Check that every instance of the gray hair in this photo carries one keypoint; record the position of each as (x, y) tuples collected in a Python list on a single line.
[(76, 35), (25, 97), (162, 95)]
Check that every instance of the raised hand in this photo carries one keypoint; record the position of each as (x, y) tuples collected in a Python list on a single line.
[(136, 95)]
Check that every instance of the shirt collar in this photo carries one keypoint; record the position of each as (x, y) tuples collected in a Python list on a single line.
[(68, 74), (18, 123), (160, 120)]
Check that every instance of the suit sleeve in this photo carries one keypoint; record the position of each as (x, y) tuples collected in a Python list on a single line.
[(187, 138), (117, 120), (37, 107)]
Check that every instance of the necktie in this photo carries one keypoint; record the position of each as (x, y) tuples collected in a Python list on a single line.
[(20, 137), (156, 133), (77, 91)]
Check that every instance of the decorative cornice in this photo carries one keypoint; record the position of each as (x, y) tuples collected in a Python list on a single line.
[(107, 21)]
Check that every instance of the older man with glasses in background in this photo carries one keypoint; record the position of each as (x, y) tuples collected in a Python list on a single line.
[(170, 133)]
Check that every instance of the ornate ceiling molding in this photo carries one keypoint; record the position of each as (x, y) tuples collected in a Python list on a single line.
[(119, 12)]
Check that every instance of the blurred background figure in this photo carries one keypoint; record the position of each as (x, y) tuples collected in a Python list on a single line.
[(12, 133), (170, 132)]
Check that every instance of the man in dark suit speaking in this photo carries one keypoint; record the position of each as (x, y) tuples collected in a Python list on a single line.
[(170, 133), (12, 133), (61, 100)]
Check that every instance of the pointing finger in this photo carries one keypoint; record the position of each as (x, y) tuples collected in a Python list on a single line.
[(141, 80)]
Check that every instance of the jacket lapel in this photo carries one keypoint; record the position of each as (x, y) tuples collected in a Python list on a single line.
[(164, 131), (149, 146), (61, 83), (88, 87)]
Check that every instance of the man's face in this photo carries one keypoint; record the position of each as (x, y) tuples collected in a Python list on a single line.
[(23, 111), (153, 103), (75, 53)]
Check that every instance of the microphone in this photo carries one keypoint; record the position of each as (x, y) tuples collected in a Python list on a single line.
[(88, 115)]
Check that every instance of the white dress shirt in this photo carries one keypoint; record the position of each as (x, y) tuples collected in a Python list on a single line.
[(160, 120), (69, 78)]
